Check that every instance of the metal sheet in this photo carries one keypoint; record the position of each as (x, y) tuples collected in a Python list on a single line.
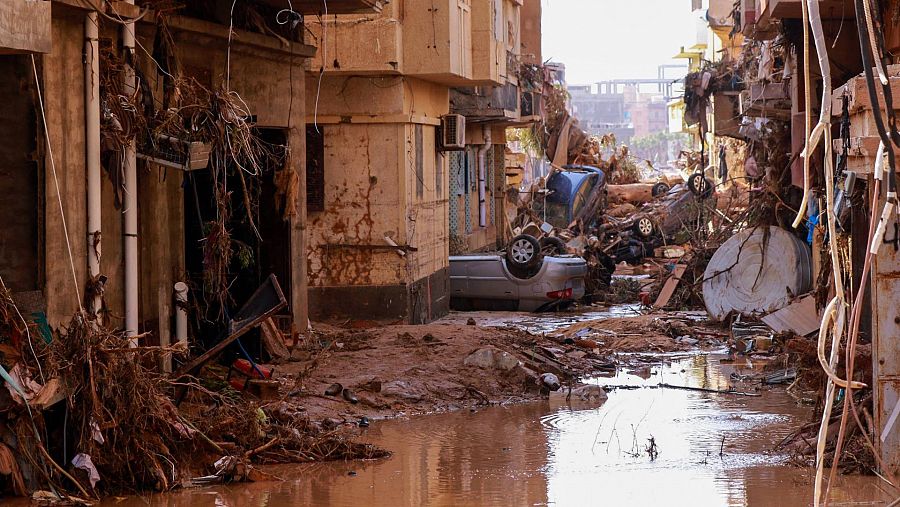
[(886, 353)]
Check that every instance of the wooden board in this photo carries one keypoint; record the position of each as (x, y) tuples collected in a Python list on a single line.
[(239, 326), (799, 317), (669, 288), (273, 340)]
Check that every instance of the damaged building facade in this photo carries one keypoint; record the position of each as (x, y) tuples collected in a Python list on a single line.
[(406, 116), (757, 83), (111, 209)]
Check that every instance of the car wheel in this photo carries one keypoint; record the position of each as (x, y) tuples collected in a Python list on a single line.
[(659, 189), (700, 185), (523, 252), (553, 246), (644, 227)]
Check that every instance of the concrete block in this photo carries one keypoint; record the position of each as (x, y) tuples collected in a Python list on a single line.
[(25, 27)]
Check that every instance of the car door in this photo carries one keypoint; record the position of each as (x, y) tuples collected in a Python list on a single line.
[(487, 279)]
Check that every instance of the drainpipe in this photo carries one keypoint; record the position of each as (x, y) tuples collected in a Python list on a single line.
[(130, 226), (482, 176), (92, 147), (181, 297)]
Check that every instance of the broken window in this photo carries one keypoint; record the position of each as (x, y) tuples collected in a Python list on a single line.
[(315, 169)]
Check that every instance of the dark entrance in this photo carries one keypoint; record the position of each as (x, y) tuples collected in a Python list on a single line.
[(256, 253), (19, 178)]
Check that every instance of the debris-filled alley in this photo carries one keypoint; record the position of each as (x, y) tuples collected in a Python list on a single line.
[(458, 252)]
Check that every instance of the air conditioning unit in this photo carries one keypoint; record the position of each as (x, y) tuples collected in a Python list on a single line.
[(453, 128)]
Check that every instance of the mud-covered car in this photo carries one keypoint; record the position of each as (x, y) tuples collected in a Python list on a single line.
[(575, 192), (520, 279), (658, 222)]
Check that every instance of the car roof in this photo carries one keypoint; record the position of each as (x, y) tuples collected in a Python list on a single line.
[(565, 184)]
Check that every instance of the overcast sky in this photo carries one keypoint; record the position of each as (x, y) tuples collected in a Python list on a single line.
[(615, 39)]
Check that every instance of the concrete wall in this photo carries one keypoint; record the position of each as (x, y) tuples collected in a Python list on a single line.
[(266, 86), (531, 32), (383, 177), (63, 83), (341, 53), (437, 40)]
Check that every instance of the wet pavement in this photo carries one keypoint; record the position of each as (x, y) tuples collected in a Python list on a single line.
[(710, 450)]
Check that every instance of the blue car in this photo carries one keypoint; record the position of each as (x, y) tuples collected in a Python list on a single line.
[(576, 192)]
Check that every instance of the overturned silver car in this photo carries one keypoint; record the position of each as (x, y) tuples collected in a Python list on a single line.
[(521, 279)]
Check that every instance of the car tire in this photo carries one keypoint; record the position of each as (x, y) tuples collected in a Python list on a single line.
[(553, 246), (700, 186), (644, 227), (660, 189), (523, 253)]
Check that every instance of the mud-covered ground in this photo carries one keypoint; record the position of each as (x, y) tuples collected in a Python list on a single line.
[(404, 370)]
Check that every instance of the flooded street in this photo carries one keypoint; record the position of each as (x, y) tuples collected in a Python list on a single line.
[(713, 449)]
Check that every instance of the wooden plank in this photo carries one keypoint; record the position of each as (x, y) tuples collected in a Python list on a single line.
[(241, 328), (799, 317), (273, 341), (669, 288)]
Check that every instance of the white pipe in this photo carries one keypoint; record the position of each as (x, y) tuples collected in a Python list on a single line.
[(92, 146), (181, 297), (130, 226), (482, 176)]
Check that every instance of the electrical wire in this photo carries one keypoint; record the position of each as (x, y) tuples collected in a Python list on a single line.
[(324, 24), (807, 101)]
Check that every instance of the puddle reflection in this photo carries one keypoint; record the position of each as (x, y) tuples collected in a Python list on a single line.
[(713, 449)]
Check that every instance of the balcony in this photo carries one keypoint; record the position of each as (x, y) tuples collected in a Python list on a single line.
[(488, 52), (358, 44), (437, 41), (25, 27)]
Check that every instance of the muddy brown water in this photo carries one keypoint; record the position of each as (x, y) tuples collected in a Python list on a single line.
[(560, 453)]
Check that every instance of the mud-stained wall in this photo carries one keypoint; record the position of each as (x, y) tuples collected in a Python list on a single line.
[(342, 53), (374, 99), (63, 82), (437, 40), (427, 221), (265, 84), (362, 205), (530, 32), (383, 177)]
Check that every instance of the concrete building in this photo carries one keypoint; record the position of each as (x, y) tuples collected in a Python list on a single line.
[(380, 183), (122, 217)]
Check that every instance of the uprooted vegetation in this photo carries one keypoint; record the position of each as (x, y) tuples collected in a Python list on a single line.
[(92, 401)]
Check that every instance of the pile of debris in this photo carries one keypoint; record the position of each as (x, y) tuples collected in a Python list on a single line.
[(85, 416)]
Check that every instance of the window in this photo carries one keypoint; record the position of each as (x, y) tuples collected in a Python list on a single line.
[(420, 162), (315, 169)]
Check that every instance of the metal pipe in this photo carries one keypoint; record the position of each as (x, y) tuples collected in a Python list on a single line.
[(181, 298), (92, 147), (482, 176), (130, 226)]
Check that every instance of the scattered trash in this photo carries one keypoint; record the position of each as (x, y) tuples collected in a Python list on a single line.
[(781, 376), (549, 382), (83, 461), (349, 396)]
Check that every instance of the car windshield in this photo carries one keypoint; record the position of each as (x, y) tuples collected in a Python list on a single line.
[(556, 214)]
